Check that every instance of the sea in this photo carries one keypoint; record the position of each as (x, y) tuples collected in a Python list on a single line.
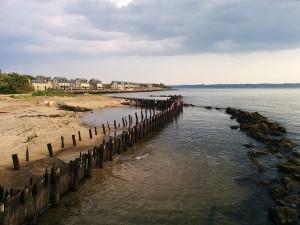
[(194, 171)]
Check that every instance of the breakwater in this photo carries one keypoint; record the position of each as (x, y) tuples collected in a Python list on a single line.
[(23, 206)]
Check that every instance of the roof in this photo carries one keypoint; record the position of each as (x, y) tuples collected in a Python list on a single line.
[(95, 81), (81, 80), (39, 81), (61, 79)]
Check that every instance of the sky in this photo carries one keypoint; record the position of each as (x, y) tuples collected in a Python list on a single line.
[(169, 41)]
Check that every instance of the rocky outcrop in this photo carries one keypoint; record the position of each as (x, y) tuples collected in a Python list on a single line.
[(73, 108), (262, 130), (284, 215)]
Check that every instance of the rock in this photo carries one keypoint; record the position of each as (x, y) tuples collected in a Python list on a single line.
[(279, 192), (248, 145), (235, 127), (294, 160), (255, 153), (288, 183), (208, 107), (289, 168), (283, 215), (286, 143), (260, 167), (188, 105), (291, 200)]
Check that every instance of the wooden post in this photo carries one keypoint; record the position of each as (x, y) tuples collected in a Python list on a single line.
[(103, 128), (91, 134), (108, 126), (137, 118), (16, 163), (55, 190), (115, 124), (89, 165), (79, 136), (74, 140), (123, 121), (142, 115), (96, 133), (27, 154), (62, 142), (50, 151), (101, 156)]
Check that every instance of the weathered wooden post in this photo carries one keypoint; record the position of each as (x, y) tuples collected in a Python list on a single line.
[(142, 116), (110, 149), (54, 188), (123, 122), (74, 140), (108, 126), (115, 124), (136, 118), (89, 165), (16, 163), (27, 154), (50, 150), (91, 134), (96, 133), (103, 128), (101, 156), (79, 136), (62, 142)]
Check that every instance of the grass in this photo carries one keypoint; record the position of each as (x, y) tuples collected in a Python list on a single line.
[(52, 93)]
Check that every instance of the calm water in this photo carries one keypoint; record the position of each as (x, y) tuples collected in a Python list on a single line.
[(195, 171)]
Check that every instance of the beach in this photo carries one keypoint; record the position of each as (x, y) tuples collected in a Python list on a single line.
[(33, 122)]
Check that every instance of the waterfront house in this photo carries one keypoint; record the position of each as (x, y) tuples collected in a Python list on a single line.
[(118, 85), (81, 84), (60, 83), (41, 84), (96, 84)]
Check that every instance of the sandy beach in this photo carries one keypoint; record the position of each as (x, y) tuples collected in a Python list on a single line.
[(35, 121)]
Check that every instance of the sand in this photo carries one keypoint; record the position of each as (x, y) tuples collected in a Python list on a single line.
[(35, 121)]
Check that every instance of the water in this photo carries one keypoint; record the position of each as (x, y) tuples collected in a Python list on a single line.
[(195, 171)]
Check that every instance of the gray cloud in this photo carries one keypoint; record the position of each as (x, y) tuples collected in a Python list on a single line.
[(204, 25), (40, 30)]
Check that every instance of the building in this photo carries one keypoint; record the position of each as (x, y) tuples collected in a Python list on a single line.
[(41, 85), (60, 83), (96, 84), (81, 84), (118, 85), (131, 85)]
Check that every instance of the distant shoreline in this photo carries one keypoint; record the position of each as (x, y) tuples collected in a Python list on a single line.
[(116, 91), (238, 86)]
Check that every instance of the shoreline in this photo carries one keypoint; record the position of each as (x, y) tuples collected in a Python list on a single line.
[(34, 122), (24, 204)]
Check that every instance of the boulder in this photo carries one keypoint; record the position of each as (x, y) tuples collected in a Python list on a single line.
[(279, 192), (283, 215), (288, 168)]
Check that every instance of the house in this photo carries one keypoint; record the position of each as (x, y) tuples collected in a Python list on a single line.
[(131, 85), (96, 84), (118, 85), (41, 84), (81, 84), (60, 83)]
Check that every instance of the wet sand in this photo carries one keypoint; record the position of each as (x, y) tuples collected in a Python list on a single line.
[(33, 122)]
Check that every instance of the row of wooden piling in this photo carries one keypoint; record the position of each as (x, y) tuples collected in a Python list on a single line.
[(20, 206)]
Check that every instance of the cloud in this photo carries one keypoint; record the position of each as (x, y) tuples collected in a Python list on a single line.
[(39, 30)]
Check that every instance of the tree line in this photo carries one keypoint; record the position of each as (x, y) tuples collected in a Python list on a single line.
[(14, 83)]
